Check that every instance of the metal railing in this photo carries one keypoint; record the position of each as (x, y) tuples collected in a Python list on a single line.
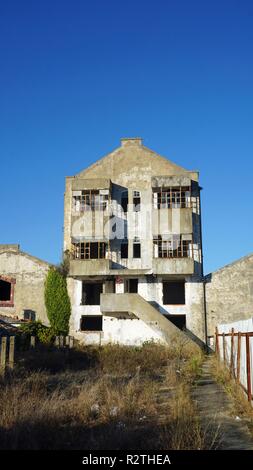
[(235, 349)]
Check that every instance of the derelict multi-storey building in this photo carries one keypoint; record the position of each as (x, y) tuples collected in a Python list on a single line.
[(132, 232)]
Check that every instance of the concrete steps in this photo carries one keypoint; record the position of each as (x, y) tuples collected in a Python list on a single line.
[(116, 304)]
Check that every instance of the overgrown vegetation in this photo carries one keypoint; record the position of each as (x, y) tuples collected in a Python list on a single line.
[(102, 398), (241, 405), (42, 333), (57, 301)]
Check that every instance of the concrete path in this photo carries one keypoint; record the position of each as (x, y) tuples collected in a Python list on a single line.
[(225, 430)]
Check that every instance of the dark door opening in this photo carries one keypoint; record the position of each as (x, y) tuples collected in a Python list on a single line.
[(91, 293), (124, 250), (174, 292), (132, 286), (124, 201), (136, 250), (178, 320)]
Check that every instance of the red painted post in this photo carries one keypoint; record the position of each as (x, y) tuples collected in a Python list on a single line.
[(248, 367)]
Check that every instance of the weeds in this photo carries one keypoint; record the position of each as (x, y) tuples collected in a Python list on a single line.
[(100, 398), (223, 376)]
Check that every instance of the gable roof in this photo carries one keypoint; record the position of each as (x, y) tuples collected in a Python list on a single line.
[(230, 265), (15, 250), (132, 154)]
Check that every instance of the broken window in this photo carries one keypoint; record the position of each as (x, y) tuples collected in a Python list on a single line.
[(89, 250), (173, 248), (29, 315), (132, 286), (124, 250), (5, 291), (91, 293), (136, 201), (90, 200), (91, 323), (167, 198), (174, 292), (136, 248), (124, 201)]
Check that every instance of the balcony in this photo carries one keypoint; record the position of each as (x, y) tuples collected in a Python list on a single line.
[(173, 266), (89, 267)]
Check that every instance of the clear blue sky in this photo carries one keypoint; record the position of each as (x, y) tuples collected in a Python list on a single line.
[(78, 75)]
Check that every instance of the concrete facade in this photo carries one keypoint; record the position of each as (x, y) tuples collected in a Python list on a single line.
[(167, 218), (229, 293), (25, 276)]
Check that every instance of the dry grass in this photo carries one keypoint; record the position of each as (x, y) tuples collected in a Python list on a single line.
[(223, 376), (101, 398)]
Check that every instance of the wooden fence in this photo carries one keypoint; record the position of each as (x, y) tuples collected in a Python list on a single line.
[(8, 349), (235, 349)]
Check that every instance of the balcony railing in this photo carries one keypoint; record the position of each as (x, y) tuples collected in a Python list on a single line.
[(174, 248), (172, 198), (90, 201)]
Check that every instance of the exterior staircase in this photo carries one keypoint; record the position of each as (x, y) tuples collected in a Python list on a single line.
[(135, 304)]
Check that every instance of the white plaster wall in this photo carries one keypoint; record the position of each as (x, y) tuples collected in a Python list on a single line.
[(154, 292), (132, 332)]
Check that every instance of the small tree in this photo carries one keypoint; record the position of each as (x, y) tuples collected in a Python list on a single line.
[(57, 301)]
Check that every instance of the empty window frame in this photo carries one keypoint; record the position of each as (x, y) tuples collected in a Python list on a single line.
[(91, 293), (90, 250), (91, 323), (90, 200), (174, 292), (124, 201), (136, 248), (167, 198), (6, 292), (136, 201), (132, 286), (124, 250), (174, 248)]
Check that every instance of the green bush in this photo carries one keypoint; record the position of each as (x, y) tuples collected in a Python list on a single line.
[(57, 301), (43, 333)]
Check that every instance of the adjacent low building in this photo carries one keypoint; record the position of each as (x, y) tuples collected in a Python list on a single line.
[(22, 278), (229, 293)]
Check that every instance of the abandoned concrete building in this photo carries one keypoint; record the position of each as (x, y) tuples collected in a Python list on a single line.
[(22, 278), (132, 230)]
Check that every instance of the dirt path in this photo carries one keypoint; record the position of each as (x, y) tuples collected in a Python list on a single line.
[(217, 415)]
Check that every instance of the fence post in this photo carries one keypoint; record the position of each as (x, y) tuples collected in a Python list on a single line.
[(217, 346), (224, 348), (3, 354), (248, 368), (11, 352), (71, 342), (57, 341), (232, 370), (238, 367), (61, 341), (67, 341), (32, 342)]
